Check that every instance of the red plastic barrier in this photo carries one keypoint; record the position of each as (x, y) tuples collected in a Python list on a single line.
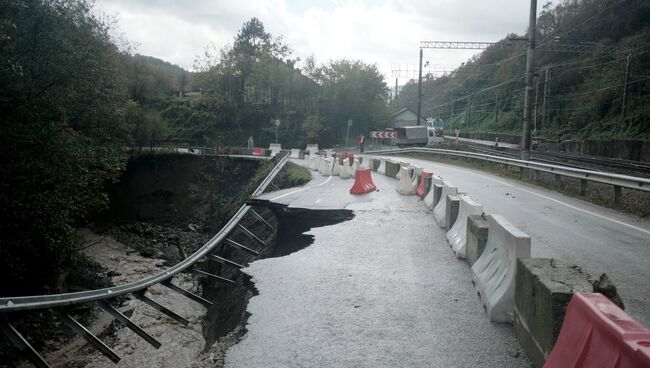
[(347, 155), (421, 186), (257, 151), (363, 182), (597, 333)]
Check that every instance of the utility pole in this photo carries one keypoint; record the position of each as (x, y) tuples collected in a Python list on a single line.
[(451, 110), (530, 61), (396, 89), (627, 78), (420, 89), (547, 88), (496, 108), (469, 111), (535, 114)]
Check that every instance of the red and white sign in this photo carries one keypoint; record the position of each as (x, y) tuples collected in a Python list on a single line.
[(378, 134)]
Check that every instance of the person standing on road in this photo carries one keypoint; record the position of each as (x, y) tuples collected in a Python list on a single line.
[(251, 142), (362, 140)]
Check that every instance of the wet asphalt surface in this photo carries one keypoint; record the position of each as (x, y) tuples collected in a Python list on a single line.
[(599, 239), (380, 290)]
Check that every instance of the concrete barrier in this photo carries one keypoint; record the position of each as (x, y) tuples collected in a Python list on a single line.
[(392, 168), (415, 175), (401, 169), (364, 163), (275, 148), (478, 230), (355, 166), (440, 210), (363, 182), (382, 166), (494, 272), (295, 153), (336, 167), (451, 211), (597, 333), (314, 162), (402, 164), (373, 163), (346, 170), (543, 289), (457, 235), (312, 149), (405, 185), (429, 199), (325, 168), (421, 189), (437, 190)]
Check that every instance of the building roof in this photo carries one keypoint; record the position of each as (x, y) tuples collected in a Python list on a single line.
[(403, 109)]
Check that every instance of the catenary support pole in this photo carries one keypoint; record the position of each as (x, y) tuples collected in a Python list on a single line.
[(419, 90), (627, 78), (530, 61)]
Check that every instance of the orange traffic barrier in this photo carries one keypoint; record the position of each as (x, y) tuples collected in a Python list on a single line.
[(597, 333), (420, 191), (363, 182)]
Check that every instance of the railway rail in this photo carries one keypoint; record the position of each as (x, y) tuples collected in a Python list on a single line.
[(575, 160), (60, 303)]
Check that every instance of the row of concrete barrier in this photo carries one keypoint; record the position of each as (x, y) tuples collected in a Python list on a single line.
[(532, 293)]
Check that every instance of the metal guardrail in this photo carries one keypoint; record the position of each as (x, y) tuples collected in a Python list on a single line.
[(137, 288), (12, 304), (617, 180)]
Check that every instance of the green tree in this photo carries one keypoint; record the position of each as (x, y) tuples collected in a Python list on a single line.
[(62, 134)]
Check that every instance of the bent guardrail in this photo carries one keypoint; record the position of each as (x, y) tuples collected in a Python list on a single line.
[(57, 302)]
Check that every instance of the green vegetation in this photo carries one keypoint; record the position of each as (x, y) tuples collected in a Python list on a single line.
[(62, 134), (292, 175), (72, 101), (584, 90)]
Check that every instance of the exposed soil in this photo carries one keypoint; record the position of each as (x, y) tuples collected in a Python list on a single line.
[(164, 206)]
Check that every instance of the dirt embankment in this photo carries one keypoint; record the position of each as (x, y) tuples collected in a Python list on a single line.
[(163, 203), (164, 206)]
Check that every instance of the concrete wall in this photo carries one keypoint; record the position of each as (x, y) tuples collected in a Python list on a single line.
[(544, 287), (628, 149)]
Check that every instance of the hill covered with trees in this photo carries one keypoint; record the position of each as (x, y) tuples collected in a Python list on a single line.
[(72, 101), (576, 94)]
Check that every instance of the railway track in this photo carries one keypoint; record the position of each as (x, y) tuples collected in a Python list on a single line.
[(574, 160)]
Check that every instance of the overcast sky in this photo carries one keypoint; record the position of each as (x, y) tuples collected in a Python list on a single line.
[(383, 32)]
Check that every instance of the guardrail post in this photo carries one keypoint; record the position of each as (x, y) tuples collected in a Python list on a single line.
[(583, 187), (558, 180), (617, 195), (22, 344)]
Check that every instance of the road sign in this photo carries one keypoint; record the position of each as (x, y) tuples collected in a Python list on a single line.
[(380, 134)]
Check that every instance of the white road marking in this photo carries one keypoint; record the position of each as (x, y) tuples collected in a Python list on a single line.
[(557, 201), (302, 189)]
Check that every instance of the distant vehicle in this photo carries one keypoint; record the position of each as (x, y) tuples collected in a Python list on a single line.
[(435, 130), (411, 136)]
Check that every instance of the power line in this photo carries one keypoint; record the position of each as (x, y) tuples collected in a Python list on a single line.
[(601, 89)]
